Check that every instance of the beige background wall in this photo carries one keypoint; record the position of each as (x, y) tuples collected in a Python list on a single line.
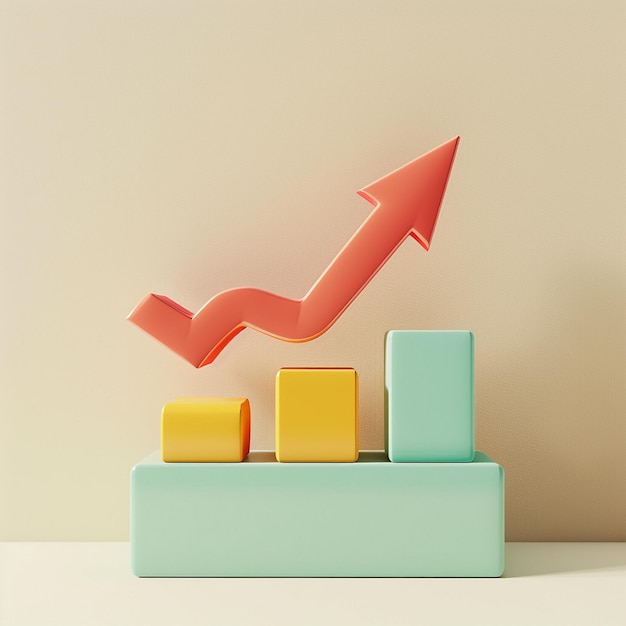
[(187, 147)]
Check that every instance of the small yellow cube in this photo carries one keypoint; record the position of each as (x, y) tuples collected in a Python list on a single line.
[(205, 430), (317, 415)]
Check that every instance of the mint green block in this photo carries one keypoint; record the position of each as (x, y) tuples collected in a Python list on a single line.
[(429, 395), (369, 518)]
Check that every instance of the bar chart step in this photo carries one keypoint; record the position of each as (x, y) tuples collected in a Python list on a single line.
[(429, 396), (205, 430), (317, 415)]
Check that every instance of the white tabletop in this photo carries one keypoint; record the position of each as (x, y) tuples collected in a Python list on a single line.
[(91, 584)]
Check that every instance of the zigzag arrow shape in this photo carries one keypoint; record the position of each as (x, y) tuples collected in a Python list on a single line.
[(406, 202)]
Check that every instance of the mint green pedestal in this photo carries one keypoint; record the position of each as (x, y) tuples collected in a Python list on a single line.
[(429, 395), (369, 518)]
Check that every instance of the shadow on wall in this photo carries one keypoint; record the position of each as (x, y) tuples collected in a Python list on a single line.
[(540, 559), (558, 422)]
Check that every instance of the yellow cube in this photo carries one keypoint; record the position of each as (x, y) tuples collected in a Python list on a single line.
[(317, 415), (205, 430)]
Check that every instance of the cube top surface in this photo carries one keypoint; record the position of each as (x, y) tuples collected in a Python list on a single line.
[(268, 457), (211, 401)]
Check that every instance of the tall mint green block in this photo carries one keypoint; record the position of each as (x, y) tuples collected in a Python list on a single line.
[(369, 518), (429, 396)]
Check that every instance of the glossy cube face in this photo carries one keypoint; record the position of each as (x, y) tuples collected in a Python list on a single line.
[(317, 415), (429, 396), (205, 430)]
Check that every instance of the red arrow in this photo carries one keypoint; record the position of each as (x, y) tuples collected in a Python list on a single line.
[(407, 203)]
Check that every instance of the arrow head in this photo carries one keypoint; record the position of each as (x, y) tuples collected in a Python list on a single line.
[(416, 189)]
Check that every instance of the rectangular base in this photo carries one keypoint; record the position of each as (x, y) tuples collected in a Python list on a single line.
[(369, 518)]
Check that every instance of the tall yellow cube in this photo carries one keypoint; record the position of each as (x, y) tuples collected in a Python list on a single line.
[(317, 415), (205, 430)]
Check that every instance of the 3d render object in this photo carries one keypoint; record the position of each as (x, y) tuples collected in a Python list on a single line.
[(205, 430), (317, 415), (369, 518), (429, 506), (372, 517), (407, 204), (429, 395)]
